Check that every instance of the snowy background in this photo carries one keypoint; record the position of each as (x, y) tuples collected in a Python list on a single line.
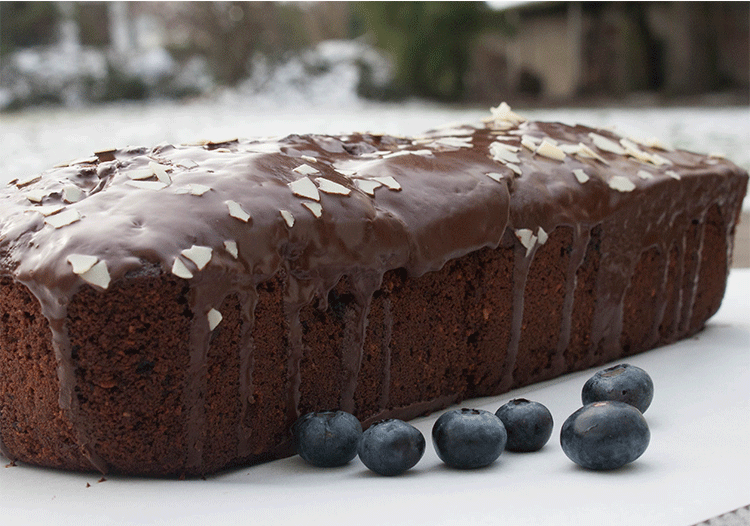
[(36, 139)]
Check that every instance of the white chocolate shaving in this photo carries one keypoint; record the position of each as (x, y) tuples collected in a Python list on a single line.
[(63, 218), (606, 145), (673, 174), (621, 183), (389, 182), (570, 149), (514, 167), (139, 175), (288, 217), (495, 176), (231, 247), (658, 160), (502, 154), (423, 153), (315, 208), (98, 275), (35, 196), (653, 142), (632, 149), (643, 174), (549, 150), (509, 147), (452, 142), (72, 194), (305, 169), (586, 152), (85, 160), (223, 141), (236, 211), (331, 187), (529, 142), (542, 236), (305, 188), (503, 113), (199, 255), (367, 186), (28, 180), (198, 189), (81, 263), (180, 270), (214, 319), (527, 238), (147, 185), (160, 172), (581, 175), (309, 159), (49, 209)]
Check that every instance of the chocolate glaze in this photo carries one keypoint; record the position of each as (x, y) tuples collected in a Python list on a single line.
[(435, 202)]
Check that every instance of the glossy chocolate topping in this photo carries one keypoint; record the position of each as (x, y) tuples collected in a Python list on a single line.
[(227, 216)]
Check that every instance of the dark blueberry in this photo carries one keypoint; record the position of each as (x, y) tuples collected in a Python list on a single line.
[(622, 383), (327, 438), (468, 438), (528, 424), (605, 435), (390, 447)]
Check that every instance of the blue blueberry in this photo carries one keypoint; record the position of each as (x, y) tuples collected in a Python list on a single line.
[(327, 438), (621, 383), (390, 447), (468, 438), (528, 424), (605, 435)]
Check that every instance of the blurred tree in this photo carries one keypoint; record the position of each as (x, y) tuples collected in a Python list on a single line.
[(228, 34), (24, 24), (430, 42), (92, 17)]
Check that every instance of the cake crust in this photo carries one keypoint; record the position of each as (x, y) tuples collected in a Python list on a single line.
[(172, 310)]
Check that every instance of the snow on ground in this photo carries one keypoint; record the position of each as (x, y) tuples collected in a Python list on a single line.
[(34, 140)]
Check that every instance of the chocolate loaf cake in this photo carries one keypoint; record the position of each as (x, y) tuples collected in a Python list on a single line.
[(172, 310)]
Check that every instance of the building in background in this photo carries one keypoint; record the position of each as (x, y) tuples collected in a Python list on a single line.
[(561, 51)]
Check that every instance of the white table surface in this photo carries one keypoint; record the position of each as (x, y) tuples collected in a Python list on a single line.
[(696, 467)]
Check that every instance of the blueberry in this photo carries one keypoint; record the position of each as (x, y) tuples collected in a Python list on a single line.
[(528, 424), (390, 447), (468, 438), (622, 383), (327, 438), (605, 435)]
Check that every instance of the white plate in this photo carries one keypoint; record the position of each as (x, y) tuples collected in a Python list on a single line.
[(697, 465)]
